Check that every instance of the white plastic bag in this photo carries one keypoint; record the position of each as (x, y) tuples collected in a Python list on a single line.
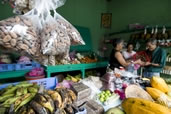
[(17, 33)]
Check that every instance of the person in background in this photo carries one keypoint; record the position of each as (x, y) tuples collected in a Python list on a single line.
[(158, 59), (128, 54), (116, 58)]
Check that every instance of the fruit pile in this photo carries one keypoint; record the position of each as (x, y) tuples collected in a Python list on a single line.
[(27, 98), (17, 95), (76, 78), (106, 97), (159, 91)]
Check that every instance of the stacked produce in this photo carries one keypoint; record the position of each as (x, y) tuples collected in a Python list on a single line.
[(28, 98), (106, 97), (18, 95), (76, 78), (138, 103)]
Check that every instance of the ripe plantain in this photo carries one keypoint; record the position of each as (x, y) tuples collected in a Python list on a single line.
[(39, 109), (30, 110), (72, 95), (45, 100), (22, 110), (64, 96), (69, 110), (25, 101), (56, 98)]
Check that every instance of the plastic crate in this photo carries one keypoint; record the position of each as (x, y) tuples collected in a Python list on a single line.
[(49, 83), (26, 66), (7, 67)]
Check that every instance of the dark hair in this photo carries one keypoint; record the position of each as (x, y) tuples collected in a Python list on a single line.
[(116, 42), (129, 44), (152, 41)]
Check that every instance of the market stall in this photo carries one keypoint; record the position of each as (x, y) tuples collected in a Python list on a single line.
[(38, 33)]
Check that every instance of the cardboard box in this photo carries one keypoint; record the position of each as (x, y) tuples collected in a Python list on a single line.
[(49, 83), (94, 108), (82, 91)]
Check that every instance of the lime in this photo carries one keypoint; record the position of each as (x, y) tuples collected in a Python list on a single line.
[(102, 99), (107, 91)]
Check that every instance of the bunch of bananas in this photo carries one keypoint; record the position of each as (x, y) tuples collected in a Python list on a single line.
[(76, 78), (19, 95), (26, 98), (58, 101)]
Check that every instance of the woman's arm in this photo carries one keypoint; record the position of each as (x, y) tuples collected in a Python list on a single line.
[(121, 59)]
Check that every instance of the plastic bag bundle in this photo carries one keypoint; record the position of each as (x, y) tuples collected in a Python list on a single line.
[(17, 33), (54, 41), (73, 34), (108, 81)]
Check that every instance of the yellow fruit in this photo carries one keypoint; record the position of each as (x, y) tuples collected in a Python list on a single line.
[(155, 93), (159, 83), (159, 96), (142, 106)]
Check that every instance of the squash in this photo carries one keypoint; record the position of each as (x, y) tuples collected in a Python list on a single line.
[(159, 83), (158, 95), (142, 106)]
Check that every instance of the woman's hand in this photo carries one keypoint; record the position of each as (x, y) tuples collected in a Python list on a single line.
[(147, 63), (138, 62)]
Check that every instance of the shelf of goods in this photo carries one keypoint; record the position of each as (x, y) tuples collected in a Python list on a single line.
[(85, 33), (166, 72)]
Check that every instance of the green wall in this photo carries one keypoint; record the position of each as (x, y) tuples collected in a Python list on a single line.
[(148, 12), (87, 13), (5, 11)]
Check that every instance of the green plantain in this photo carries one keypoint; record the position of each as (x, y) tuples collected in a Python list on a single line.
[(21, 91), (10, 90), (9, 101), (25, 101), (24, 84), (20, 99), (5, 97), (33, 89), (5, 89)]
